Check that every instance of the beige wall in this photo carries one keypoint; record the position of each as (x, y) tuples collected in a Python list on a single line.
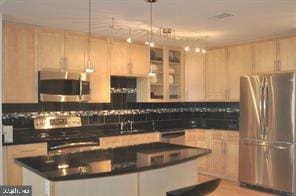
[(1, 161)]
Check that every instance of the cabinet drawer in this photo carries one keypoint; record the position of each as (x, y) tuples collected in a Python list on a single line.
[(130, 140), (201, 135), (232, 136), (216, 135), (110, 142), (149, 137), (191, 133), (27, 150)]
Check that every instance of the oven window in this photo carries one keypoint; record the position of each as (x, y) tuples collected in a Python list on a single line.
[(63, 87)]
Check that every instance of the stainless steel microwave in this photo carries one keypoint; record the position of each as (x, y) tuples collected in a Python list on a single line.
[(56, 86)]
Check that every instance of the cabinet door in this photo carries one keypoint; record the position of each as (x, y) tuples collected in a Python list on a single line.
[(139, 60), (217, 157), (216, 74), (194, 77), (264, 56), (14, 175), (75, 51), (202, 142), (50, 49), (100, 79), (19, 74), (119, 58), (240, 63), (190, 138), (231, 159), (231, 151), (288, 54)]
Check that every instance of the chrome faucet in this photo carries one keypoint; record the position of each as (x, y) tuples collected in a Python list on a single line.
[(124, 123)]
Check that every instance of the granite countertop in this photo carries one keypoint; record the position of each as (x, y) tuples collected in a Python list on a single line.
[(109, 162), (26, 136)]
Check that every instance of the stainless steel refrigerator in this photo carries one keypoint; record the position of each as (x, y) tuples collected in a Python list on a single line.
[(268, 131)]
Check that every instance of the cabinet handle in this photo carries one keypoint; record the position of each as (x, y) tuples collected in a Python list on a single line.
[(23, 151), (225, 147)]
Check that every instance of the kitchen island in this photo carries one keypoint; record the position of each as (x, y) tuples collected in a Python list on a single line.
[(146, 169)]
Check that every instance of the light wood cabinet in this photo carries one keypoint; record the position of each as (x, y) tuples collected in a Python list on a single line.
[(13, 171), (224, 157), (110, 142), (194, 76), (150, 137), (100, 79), (50, 49), (19, 69), (231, 151), (202, 141), (127, 140), (190, 138), (216, 75), (119, 58), (217, 158), (239, 64), (75, 51), (139, 60), (264, 56), (287, 54)]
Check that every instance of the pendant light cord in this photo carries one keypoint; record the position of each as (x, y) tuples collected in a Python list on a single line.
[(150, 22), (89, 28)]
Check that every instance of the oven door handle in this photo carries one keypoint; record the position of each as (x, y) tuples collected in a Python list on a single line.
[(172, 135), (73, 145)]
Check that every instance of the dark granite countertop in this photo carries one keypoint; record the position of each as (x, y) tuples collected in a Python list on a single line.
[(26, 136), (109, 162)]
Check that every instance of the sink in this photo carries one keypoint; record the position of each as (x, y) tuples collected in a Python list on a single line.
[(132, 131)]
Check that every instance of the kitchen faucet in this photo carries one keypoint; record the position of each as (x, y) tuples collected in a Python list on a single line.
[(124, 123)]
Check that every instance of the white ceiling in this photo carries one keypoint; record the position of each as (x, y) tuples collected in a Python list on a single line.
[(252, 20)]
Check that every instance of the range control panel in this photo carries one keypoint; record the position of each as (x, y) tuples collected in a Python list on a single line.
[(53, 122)]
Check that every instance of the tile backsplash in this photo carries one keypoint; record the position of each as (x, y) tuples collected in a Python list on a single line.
[(123, 106)]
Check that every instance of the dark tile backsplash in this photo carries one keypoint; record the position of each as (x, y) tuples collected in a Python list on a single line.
[(216, 115)]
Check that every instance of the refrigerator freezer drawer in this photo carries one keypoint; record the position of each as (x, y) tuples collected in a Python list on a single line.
[(267, 165)]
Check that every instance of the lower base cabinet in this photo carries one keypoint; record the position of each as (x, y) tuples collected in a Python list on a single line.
[(127, 140), (13, 174), (223, 161)]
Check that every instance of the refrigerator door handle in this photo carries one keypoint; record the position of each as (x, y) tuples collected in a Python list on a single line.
[(265, 109), (280, 147), (261, 108)]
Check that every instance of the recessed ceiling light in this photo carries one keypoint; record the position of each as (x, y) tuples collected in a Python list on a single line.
[(222, 16)]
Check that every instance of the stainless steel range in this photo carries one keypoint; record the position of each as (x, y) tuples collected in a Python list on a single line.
[(62, 136)]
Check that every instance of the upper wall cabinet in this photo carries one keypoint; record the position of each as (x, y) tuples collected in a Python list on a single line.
[(264, 56), (195, 76), (129, 59), (288, 54), (100, 79), (119, 58), (239, 63), (216, 75), (50, 49), (19, 64), (75, 51), (139, 60)]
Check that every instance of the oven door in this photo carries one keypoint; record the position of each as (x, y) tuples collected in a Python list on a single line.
[(72, 147), (63, 87)]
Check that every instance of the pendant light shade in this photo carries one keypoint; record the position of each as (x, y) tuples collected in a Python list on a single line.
[(89, 68)]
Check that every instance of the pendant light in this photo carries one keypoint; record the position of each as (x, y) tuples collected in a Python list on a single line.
[(151, 42), (89, 68)]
